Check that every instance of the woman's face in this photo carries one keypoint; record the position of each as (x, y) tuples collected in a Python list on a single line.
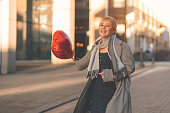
[(105, 28)]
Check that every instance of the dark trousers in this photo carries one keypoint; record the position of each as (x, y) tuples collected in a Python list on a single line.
[(101, 94)]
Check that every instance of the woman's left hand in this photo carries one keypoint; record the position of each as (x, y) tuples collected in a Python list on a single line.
[(102, 74)]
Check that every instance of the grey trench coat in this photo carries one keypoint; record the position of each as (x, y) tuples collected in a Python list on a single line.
[(121, 100)]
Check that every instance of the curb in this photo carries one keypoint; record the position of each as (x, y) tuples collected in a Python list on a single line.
[(45, 68), (140, 70)]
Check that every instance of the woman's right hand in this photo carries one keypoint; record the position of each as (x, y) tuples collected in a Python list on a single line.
[(75, 59), (102, 74)]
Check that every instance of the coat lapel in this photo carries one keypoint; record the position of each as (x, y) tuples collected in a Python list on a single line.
[(121, 100), (111, 51), (112, 55)]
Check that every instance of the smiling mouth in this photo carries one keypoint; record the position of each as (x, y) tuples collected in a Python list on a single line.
[(103, 31)]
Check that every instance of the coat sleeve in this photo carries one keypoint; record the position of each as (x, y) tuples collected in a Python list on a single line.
[(127, 58), (84, 62)]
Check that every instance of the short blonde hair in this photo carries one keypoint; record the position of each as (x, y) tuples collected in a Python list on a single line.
[(113, 21)]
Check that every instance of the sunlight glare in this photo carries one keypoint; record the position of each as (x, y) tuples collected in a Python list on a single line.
[(160, 8)]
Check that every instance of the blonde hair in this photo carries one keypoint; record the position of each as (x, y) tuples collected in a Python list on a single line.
[(113, 21)]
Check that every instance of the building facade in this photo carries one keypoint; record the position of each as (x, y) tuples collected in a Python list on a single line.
[(26, 27), (34, 29)]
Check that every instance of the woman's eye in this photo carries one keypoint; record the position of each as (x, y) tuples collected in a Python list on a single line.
[(107, 26)]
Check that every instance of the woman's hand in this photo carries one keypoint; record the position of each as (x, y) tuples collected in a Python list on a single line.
[(102, 74), (76, 59)]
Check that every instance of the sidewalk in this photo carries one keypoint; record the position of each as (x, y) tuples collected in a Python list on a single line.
[(149, 91), (69, 107), (36, 89)]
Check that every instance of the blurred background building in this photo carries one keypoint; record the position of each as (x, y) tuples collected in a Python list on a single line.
[(26, 28)]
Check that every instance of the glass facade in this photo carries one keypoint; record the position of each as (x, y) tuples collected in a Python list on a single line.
[(130, 3), (34, 29), (117, 10), (0, 34), (81, 27), (118, 3), (34, 25)]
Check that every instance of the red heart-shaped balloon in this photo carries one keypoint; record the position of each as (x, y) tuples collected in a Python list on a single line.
[(61, 45)]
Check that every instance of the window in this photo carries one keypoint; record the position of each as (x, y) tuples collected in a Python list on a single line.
[(129, 3), (34, 29), (118, 3)]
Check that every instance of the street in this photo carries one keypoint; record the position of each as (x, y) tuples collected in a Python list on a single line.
[(150, 90), (53, 89), (38, 89)]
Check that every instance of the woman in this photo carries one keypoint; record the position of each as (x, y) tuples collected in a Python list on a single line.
[(109, 62)]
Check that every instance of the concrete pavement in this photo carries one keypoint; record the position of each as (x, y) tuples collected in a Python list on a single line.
[(37, 89), (150, 90)]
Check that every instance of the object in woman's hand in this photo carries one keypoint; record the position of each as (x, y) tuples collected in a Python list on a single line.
[(61, 45)]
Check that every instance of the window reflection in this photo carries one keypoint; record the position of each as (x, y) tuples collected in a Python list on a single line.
[(82, 3), (130, 3), (34, 29), (118, 3), (81, 27)]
